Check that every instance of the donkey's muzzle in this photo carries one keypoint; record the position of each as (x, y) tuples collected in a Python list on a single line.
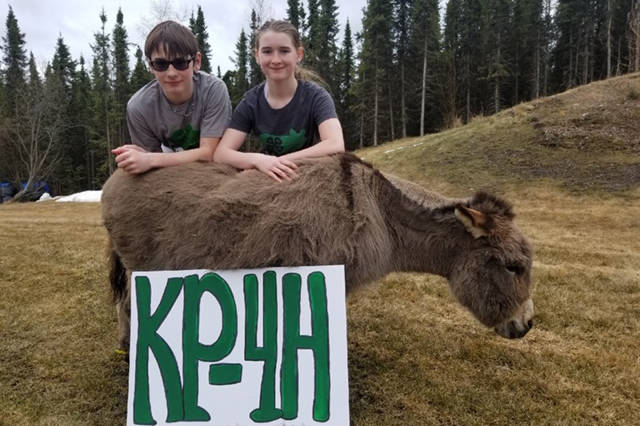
[(519, 325)]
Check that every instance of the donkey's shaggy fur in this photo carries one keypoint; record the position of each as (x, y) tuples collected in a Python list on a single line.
[(339, 210)]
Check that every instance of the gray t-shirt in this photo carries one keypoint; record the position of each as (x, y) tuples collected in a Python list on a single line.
[(157, 125), (287, 129)]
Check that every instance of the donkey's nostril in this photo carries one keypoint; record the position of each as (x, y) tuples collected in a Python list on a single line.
[(530, 323)]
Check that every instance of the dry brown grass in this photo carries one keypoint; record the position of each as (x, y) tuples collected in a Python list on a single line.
[(56, 364), (415, 356)]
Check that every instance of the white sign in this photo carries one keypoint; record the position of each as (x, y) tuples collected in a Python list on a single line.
[(260, 346)]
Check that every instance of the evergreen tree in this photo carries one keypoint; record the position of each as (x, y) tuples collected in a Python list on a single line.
[(63, 67), (255, 74), (326, 47), (527, 49), (140, 75), (295, 14), (121, 90), (402, 10), (35, 81), (240, 82), (376, 56), (451, 56), (199, 29), (621, 35), (345, 96), (634, 37), (58, 82), (496, 69), (102, 95), (15, 62), (423, 64), (312, 35), (79, 152), (574, 56), (470, 56)]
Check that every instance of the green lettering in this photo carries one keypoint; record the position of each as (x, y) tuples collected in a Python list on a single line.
[(268, 353), (194, 351), (149, 340), (318, 342)]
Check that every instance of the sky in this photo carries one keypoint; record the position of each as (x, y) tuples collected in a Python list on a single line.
[(42, 21)]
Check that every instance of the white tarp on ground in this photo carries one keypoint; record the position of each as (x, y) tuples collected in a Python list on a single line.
[(82, 197)]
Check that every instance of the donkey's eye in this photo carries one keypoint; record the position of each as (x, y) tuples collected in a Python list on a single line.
[(515, 269)]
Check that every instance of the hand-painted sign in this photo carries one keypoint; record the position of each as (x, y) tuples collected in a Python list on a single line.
[(242, 347)]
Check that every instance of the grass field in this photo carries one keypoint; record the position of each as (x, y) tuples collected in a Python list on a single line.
[(571, 166)]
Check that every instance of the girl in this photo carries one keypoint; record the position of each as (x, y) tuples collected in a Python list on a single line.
[(293, 118)]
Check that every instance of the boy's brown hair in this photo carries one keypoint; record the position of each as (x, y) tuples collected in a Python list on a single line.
[(174, 39)]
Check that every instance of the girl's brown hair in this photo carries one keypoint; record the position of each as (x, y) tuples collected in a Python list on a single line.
[(286, 27)]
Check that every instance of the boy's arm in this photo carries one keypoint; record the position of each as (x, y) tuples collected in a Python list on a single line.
[(135, 161)]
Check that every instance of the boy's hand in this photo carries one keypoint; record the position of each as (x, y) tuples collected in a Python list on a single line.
[(277, 168), (132, 159), (119, 149)]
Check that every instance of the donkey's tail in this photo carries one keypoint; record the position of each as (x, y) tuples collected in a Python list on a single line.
[(117, 274)]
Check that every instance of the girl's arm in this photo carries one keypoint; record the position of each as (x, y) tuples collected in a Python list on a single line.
[(331, 141), (277, 168)]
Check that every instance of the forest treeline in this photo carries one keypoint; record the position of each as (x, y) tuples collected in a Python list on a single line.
[(408, 72)]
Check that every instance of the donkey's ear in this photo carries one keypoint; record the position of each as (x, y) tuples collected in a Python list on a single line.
[(475, 221)]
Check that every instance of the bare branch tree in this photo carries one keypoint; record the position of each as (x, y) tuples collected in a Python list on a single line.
[(161, 10), (33, 136)]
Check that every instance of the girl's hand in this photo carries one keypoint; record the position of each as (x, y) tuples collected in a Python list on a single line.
[(277, 168)]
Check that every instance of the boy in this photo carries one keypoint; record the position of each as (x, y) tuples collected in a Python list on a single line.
[(181, 115)]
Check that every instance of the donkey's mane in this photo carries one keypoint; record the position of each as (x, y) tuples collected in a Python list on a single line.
[(412, 206)]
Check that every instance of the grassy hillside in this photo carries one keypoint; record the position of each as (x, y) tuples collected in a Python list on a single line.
[(569, 164), (583, 140)]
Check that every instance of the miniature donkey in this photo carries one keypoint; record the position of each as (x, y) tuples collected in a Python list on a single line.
[(339, 210)]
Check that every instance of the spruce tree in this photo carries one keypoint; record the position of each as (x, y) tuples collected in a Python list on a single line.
[(376, 57), (199, 29), (402, 9), (102, 94), (471, 56), (35, 81), (63, 67), (241, 74), (496, 72), (345, 96), (255, 74), (15, 62), (79, 151), (58, 84), (140, 75), (326, 47), (295, 14), (423, 64), (121, 90), (312, 35), (451, 59)]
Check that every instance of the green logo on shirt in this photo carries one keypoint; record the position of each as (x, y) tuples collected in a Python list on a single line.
[(284, 144), (187, 138)]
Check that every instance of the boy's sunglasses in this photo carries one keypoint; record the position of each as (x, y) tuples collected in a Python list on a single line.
[(162, 64)]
